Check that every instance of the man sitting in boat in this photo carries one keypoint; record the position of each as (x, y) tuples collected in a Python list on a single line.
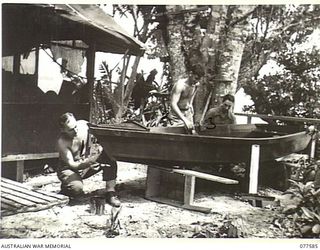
[(182, 94), (222, 114), (76, 163)]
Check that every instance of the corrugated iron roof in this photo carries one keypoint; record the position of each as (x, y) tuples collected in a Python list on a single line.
[(25, 26)]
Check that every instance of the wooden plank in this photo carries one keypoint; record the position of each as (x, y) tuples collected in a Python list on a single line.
[(284, 118), (49, 194), (17, 199), (189, 188), (15, 205), (180, 204), (9, 207), (205, 176), (182, 12), (27, 191), (23, 195), (54, 195), (5, 206), (18, 184), (197, 208), (22, 157), (10, 203), (38, 207)]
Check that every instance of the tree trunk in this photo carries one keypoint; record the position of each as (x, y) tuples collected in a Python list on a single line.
[(210, 49), (131, 83), (176, 33), (219, 52)]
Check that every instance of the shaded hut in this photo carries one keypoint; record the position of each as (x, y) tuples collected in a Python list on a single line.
[(29, 117)]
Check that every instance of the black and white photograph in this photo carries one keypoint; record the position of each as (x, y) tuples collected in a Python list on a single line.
[(159, 121)]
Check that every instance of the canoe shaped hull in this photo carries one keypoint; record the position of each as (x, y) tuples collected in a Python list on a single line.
[(173, 147)]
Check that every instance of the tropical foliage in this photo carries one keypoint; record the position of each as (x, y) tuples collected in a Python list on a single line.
[(306, 213), (294, 88)]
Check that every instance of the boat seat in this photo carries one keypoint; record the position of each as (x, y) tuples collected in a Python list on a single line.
[(176, 187)]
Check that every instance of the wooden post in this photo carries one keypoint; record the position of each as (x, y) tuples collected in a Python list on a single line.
[(20, 170), (313, 148), (249, 119), (189, 186), (90, 76), (16, 64), (36, 71), (254, 169)]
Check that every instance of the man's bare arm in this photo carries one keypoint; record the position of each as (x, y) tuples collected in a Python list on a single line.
[(67, 157)]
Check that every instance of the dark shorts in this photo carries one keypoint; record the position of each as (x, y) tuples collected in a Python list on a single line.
[(71, 180)]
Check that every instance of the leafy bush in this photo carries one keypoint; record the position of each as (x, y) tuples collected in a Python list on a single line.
[(306, 213), (292, 91)]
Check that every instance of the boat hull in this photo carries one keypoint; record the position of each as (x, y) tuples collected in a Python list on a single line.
[(223, 144)]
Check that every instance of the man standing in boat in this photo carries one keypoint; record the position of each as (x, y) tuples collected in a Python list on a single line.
[(182, 95), (222, 114), (76, 163)]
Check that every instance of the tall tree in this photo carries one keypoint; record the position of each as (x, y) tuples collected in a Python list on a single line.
[(278, 34), (232, 44), (218, 51)]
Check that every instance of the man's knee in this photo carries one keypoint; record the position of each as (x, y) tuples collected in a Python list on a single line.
[(73, 189)]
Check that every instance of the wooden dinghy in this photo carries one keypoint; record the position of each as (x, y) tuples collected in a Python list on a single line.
[(172, 146)]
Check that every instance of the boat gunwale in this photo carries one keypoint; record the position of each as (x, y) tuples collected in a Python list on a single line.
[(191, 137)]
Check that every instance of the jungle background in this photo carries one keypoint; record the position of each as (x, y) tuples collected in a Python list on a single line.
[(233, 45)]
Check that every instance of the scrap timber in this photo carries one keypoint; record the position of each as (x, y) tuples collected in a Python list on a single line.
[(19, 198)]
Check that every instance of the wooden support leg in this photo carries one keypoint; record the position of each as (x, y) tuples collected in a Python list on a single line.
[(189, 190), (153, 182), (254, 169), (155, 192), (189, 186), (19, 171)]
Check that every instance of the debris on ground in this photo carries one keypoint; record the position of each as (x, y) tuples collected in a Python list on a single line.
[(141, 218)]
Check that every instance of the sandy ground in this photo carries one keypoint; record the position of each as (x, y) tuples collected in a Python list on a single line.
[(139, 217)]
